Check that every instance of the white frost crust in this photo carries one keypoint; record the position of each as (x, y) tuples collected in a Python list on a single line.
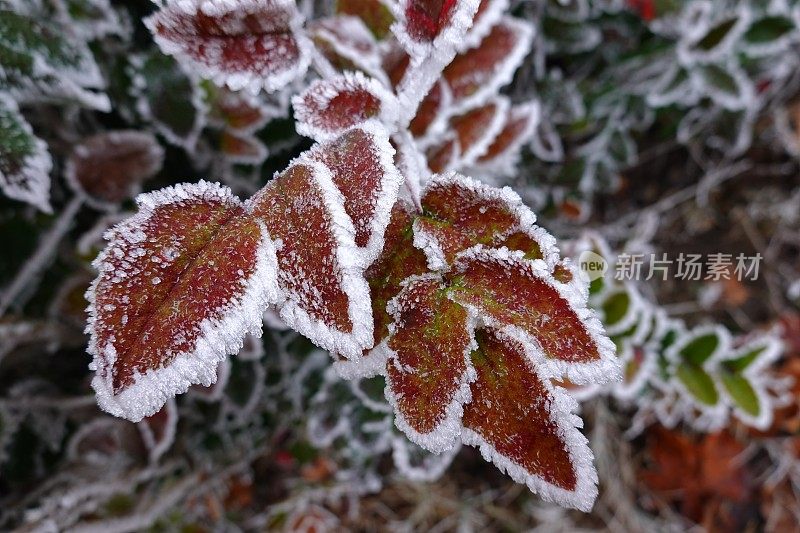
[(604, 370), (367, 366), (445, 43), (505, 195), (321, 92), (506, 162), (507, 65), (755, 373), (698, 20), (429, 245), (157, 448), (490, 131), (484, 25), (431, 466), (356, 30), (35, 171), (445, 435), (259, 155), (391, 180), (219, 336), (628, 391), (562, 413), (353, 283), (215, 391), (235, 80)]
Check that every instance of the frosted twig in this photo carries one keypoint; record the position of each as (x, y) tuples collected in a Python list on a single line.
[(41, 257)]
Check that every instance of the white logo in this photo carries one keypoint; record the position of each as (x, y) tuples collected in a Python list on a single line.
[(592, 265)]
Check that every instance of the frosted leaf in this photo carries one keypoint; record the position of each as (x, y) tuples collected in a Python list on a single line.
[(426, 25), (525, 425), (242, 148), (25, 163), (330, 106), (742, 377), (507, 290), (158, 430), (502, 156), (250, 44), (179, 285), (41, 63), (91, 19), (478, 73), (241, 111), (169, 98), (428, 371), (320, 269), (444, 156), (692, 359), (362, 168), (375, 14), (430, 122), (479, 127), (460, 212), (348, 45), (109, 168), (710, 36), (488, 14), (727, 85), (418, 464)]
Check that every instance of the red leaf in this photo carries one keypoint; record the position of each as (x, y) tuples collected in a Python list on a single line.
[(507, 290), (248, 43), (329, 106), (520, 125), (489, 13), (428, 370), (327, 298), (431, 111), (242, 148), (477, 74), (525, 426), (478, 128), (398, 261), (443, 156), (440, 23), (361, 164), (180, 284), (242, 112), (110, 167), (460, 212)]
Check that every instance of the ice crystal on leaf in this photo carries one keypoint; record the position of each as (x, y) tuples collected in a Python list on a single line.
[(248, 44)]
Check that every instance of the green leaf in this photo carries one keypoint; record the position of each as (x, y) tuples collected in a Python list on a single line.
[(170, 99), (738, 364), (615, 308), (698, 383), (742, 393), (40, 61), (698, 350), (768, 29), (716, 35), (24, 160)]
